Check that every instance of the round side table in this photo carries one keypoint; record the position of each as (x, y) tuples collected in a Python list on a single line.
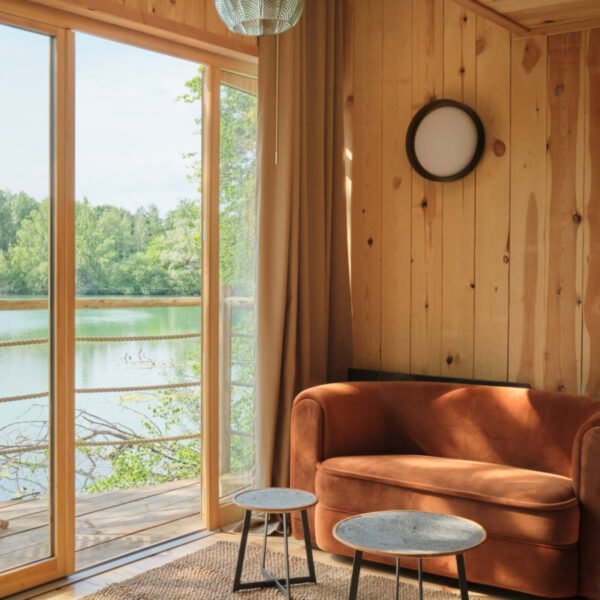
[(279, 501), (404, 533)]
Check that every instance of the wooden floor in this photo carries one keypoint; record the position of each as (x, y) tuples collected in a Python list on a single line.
[(83, 588), (107, 525)]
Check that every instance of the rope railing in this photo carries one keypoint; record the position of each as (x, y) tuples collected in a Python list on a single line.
[(108, 390), (107, 443), (127, 338), (101, 302)]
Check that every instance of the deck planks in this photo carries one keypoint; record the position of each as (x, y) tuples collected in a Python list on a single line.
[(107, 525)]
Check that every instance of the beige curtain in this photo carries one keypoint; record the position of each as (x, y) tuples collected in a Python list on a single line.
[(304, 320)]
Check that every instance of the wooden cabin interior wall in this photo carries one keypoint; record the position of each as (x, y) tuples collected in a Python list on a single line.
[(496, 276), (179, 17), (201, 14)]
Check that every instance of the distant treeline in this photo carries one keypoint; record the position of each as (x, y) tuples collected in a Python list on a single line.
[(119, 252)]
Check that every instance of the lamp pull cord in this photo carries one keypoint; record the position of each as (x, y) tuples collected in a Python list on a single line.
[(277, 102)]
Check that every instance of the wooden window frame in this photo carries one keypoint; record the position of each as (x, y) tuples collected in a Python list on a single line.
[(60, 26)]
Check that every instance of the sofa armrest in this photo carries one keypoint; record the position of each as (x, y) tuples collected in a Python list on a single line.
[(586, 481), (337, 419)]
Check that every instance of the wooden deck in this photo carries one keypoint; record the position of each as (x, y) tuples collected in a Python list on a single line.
[(107, 525)]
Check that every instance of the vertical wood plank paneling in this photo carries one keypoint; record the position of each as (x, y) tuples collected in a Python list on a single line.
[(426, 272), (366, 196), (492, 208), (497, 266), (565, 196), (460, 29), (396, 185), (591, 306), (529, 64)]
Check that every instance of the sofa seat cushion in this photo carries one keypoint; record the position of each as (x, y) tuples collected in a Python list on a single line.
[(509, 502)]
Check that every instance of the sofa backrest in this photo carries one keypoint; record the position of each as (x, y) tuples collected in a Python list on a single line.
[(524, 428)]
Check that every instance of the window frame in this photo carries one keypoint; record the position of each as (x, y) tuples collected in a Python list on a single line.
[(61, 26)]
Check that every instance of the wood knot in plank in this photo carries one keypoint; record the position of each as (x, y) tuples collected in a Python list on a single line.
[(450, 359), (396, 182), (350, 100), (562, 388), (559, 89), (577, 218), (499, 148), (531, 56), (506, 259), (370, 241), (424, 203)]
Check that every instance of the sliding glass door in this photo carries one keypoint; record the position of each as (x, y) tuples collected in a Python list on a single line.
[(237, 276), (26, 202), (138, 277), (34, 475), (127, 240)]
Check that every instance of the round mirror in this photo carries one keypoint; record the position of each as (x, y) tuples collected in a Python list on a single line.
[(445, 140)]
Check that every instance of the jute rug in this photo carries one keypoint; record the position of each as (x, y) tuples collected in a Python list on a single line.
[(208, 575)]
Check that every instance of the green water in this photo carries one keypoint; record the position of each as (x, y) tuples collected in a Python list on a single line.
[(25, 370)]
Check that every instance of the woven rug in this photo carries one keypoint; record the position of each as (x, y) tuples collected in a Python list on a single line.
[(208, 575)]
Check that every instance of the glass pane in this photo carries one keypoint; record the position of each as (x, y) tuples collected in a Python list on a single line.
[(25, 200), (237, 238), (138, 322)]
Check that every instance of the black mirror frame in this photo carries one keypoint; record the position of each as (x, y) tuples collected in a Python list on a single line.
[(412, 130)]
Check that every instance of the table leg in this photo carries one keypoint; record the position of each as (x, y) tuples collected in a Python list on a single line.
[(242, 552), (420, 579), (266, 532), (308, 547), (355, 575), (397, 578), (462, 577), (287, 557)]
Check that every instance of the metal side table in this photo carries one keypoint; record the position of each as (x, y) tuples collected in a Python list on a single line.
[(279, 501), (405, 533)]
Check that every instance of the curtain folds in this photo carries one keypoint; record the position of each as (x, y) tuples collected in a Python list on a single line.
[(304, 324)]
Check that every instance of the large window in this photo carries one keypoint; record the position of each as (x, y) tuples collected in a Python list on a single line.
[(237, 243), (138, 283), (127, 273), (25, 327)]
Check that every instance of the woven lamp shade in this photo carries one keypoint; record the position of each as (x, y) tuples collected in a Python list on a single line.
[(260, 17)]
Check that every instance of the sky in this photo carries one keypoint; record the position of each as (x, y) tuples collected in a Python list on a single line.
[(131, 131)]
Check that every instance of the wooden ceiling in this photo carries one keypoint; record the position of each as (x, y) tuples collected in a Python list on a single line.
[(531, 17)]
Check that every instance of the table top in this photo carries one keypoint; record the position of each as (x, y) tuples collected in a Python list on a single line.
[(275, 500), (409, 533)]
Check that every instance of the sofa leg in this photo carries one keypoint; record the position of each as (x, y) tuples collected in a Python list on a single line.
[(462, 577)]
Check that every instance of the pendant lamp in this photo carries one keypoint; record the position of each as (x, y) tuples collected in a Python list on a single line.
[(260, 17)]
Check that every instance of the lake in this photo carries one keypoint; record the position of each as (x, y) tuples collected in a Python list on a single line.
[(24, 370)]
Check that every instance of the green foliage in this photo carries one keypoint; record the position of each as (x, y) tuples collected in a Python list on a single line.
[(117, 252)]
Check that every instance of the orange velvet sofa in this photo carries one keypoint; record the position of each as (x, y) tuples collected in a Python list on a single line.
[(523, 463)]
